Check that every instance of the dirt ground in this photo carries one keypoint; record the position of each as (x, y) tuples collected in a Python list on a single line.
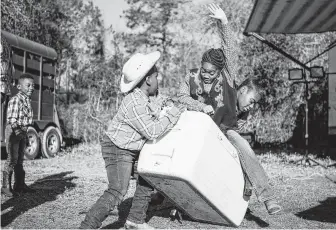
[(70, 183)]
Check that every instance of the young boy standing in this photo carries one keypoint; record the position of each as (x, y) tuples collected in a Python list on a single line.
[(19, 118), (134, 124), (211, 90)]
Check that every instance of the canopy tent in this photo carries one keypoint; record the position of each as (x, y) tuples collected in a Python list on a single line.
[(292, 16), (298, 17)]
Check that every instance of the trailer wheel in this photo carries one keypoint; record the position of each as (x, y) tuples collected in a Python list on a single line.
[(51, 142), (32, 148)]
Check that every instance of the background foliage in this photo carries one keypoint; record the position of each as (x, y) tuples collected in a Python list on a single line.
[(88, 79)]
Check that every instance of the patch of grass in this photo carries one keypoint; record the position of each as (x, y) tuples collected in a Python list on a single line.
[(71, 182)]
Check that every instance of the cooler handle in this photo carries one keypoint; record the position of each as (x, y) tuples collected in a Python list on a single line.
[(170, 154)]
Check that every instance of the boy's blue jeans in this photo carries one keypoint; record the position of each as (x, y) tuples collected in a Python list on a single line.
[(119, 164), (15, 149), (251, 167)]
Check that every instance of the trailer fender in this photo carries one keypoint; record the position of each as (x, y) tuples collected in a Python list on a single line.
[(42, 125)]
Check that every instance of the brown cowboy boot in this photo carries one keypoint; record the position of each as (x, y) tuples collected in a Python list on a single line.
[(20, 185), (6, 188)]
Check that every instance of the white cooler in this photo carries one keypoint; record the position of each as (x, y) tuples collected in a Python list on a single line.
[(197, 168)]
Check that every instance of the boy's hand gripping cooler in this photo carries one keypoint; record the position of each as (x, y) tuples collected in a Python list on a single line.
[(198, 169)]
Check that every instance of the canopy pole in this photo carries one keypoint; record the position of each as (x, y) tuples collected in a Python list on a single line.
[(270, 44)]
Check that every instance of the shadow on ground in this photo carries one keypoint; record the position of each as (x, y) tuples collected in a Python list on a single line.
[(71, 141), (123, 211), (249, 216), (164, 211), (47, 189), (325, 212)]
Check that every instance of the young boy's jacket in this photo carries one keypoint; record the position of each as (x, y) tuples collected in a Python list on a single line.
[(136, 122)]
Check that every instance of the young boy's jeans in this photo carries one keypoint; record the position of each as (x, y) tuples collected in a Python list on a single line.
[(15, 149), (251, 166), (119, 164)]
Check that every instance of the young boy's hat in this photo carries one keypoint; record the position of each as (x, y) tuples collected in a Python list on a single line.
[(136, 68)]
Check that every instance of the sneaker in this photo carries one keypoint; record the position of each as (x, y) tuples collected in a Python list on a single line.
[(272, 207), (132, 225)]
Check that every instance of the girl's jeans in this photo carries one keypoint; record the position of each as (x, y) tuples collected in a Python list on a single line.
[(119, 164), (251, 167)]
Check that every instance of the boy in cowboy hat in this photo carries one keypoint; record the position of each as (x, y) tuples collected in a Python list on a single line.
[(135, 123), (211, 90)]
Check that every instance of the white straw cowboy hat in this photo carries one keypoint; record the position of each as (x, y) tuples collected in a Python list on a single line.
[(136, 68)]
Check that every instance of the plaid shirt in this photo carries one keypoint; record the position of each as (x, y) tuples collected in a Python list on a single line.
[(19, 111), (242, 120), (136, 122)]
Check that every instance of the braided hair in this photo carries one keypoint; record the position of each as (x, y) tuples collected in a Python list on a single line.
[(216, 57)]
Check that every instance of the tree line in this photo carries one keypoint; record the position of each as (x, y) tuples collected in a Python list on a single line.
[(182, 31)]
